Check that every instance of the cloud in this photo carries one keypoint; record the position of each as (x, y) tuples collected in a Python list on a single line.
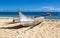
[(50, 9)]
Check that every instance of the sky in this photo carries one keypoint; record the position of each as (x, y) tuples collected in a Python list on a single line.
[(30, 5)]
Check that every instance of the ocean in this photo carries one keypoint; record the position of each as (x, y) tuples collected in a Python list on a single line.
[(54, 15)]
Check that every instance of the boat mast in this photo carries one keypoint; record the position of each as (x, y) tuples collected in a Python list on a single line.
[(19, 15)]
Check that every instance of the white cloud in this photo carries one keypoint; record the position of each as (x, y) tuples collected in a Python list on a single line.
[(50, 9)]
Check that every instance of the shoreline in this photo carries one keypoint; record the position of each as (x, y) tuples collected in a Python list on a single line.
[(18, 18), (8, 17)]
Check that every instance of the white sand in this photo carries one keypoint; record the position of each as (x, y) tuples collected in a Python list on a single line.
[(47, 29)]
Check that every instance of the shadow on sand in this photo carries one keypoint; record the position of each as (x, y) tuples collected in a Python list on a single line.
[(14, 27), (20, 26)]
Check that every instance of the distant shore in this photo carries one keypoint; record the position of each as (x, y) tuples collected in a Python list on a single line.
[(18, 18)]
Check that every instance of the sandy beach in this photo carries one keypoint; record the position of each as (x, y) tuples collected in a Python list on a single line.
[(47, 29)]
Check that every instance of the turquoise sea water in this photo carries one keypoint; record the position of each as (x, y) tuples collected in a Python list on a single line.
[(55, 15)]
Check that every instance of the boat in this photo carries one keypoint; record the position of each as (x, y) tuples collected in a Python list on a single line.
[(48, 14), (28, 21), (25, 21)]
